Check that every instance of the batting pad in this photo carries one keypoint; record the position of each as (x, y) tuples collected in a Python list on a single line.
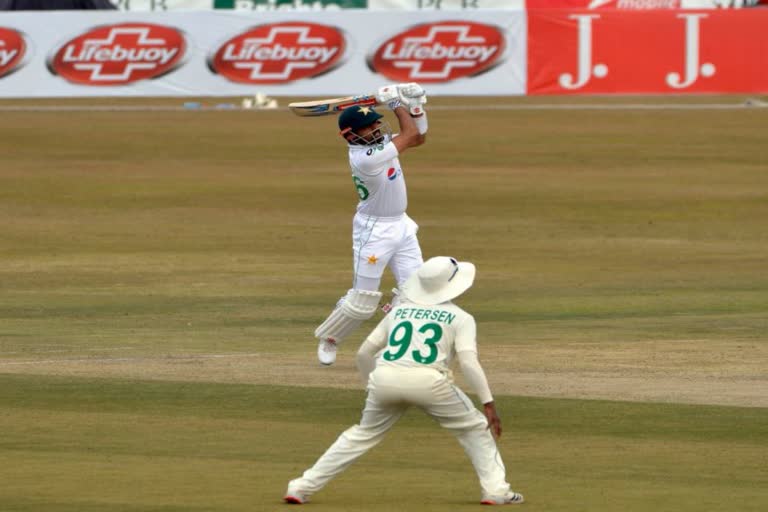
[(353, 309)]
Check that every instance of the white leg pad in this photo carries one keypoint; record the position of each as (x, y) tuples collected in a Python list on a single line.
[(353, 309)]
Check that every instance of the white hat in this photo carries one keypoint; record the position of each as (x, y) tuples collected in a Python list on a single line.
[(438, 280)]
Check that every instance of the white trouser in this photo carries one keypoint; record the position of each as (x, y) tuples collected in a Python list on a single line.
[(380, 242), (391, 391)]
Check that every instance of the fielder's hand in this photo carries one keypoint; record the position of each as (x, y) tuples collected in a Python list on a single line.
[(494, 422), (387, 93)]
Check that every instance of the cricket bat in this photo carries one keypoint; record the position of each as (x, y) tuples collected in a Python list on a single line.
[(331, 106)]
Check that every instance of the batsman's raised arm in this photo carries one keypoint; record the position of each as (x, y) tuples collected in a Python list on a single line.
[(409, 136), (408, 106)]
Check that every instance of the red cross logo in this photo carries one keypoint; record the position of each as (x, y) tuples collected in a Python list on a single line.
[(119, 54), (439, 52), (12, 50), (278, 53)]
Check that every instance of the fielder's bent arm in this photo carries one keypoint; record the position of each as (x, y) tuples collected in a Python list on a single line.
[(366, 355), (474, 375)]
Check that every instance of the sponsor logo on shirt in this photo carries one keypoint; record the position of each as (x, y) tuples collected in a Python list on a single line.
[(373, 149)]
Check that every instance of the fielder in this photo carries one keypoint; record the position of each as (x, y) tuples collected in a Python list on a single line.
[(382, 233), (417, 341)]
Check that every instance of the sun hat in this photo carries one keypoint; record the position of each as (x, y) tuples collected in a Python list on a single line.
[(354, 118), (439, 279)]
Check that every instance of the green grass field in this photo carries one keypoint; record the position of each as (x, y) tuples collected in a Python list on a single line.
[(83, 445), (161, 274)]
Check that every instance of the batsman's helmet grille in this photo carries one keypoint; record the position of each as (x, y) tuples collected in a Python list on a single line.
[(354, 118)]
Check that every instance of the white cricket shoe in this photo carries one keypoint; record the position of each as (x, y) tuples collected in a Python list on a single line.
[(511, 498), (294, 496), (326, 351)]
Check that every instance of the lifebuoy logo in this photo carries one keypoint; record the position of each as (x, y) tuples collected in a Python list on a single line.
[(279, 53), (439, 52), (119, 54), (636, 5), (632, 5), (13, 48)]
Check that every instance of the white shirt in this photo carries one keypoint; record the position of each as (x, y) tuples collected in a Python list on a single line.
[(413, 335), (416, 336), (378, 179)]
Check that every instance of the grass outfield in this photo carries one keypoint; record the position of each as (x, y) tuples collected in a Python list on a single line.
[(161, 274), (94, 445)]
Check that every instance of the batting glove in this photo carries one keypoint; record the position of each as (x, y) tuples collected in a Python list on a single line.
[(387, 93), (410, 90), (394, 104), (415, 105)]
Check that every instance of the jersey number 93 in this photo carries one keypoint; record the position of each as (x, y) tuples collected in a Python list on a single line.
[(400, 342)]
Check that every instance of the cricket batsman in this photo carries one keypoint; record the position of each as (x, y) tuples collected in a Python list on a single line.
[(416, 344), (382, 233)]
